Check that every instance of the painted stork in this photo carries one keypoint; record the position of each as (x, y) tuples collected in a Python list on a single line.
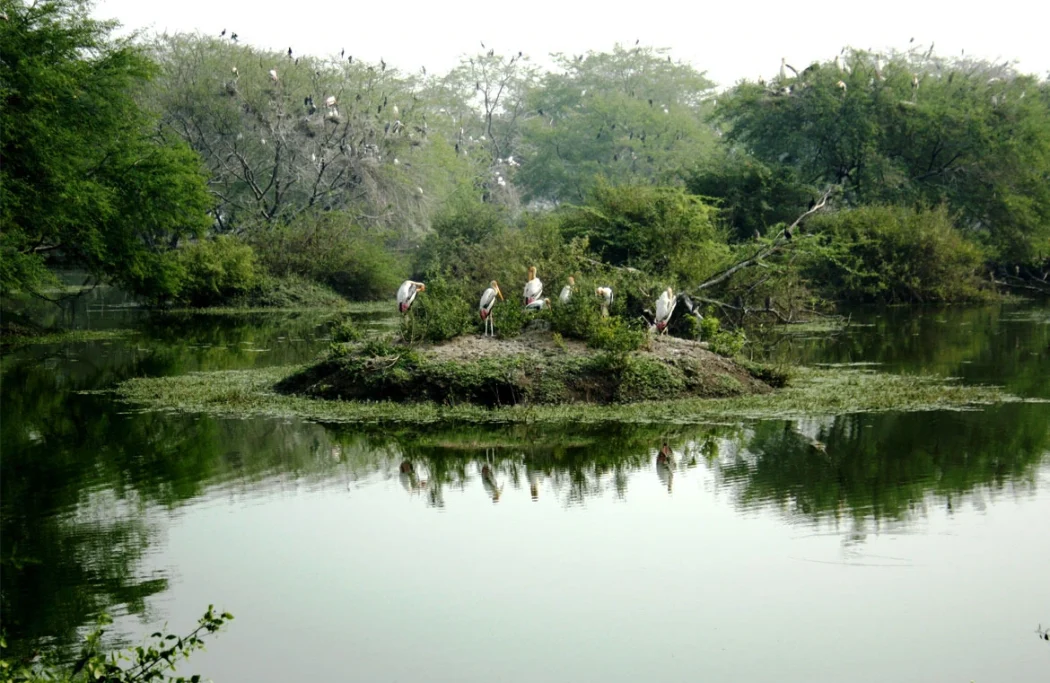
[(533, 288), (406, 294), (488, 300), (538, 305), (664, 309), (606, 295), (566, 291)]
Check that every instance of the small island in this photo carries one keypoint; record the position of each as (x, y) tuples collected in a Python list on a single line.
[(536, 368)]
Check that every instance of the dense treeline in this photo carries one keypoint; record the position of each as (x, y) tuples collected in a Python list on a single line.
[(193, 168)]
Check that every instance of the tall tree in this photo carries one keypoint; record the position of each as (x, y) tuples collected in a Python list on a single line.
[(912, 127), (84, 174), (284, 135), (629, 116)]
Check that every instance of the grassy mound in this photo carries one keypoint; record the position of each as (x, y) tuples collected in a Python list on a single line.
[(534, 369)]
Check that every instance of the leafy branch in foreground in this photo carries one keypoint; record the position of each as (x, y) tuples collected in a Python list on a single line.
[(151, 662)]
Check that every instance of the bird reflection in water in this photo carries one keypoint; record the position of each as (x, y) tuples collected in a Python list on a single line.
[(409, 479), (488, 479), (665, 466), (535, 476)]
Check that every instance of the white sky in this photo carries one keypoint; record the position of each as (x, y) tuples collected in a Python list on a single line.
[(728, 40)]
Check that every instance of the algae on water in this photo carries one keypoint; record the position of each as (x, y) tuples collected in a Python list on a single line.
[(812, 392)]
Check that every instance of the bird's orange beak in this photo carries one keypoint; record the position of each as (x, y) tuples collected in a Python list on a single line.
[(499, 293)]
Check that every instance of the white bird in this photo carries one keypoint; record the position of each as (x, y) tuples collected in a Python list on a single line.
[(234, 71), (783, 68), (488, 300), (396, 112), (511, 162), (330, 102), (533, 288), (538, 305), (878, 68), (273, 75), (664, 309), (566, 291), (500, 181), (606, 295), (842, 85), (406, 294)]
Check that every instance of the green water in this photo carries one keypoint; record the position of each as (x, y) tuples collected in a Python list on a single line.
[(875, 547)]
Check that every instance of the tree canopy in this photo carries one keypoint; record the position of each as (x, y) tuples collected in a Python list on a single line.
[(912, 128), (85, 174)]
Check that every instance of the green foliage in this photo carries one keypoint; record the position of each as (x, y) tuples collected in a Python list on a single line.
[(438, 314), (647, 379), (84, 178), (628, 116), (458, 245), (345, 331), (925, 128), (616, 336), (581, 316), (215, 270), (290, 291), (723, 342), (658, 230), (752, 196), (894, 254), (329, 248), (151, 662)]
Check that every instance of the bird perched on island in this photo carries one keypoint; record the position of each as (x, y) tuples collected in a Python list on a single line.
[(533, 288), (606, 296), (488, 300), (538, 305), (406, 294), (273, 75), (664, 309), (566, 291)]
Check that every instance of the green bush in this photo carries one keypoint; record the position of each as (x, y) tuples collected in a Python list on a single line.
[(330, 248), (616, 336), (751, 195), (345, 331), (580, 316), (659, 230), (723, 342), (215, 270), (289, 291), (894, 254), (511, 317), (440, 313), (647, 379)]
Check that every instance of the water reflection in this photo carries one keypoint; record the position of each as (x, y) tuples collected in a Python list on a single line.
[(90, 489)]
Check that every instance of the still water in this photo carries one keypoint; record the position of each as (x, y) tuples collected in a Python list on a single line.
[(912, 547)]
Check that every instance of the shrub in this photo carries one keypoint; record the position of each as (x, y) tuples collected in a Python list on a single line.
[(345, 331), (647, 379), (330, 248), (723, 342), (440, 313), (751, 195), (616, 336), (511, 317), (895, 254), (659, 230), (215, 270)]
